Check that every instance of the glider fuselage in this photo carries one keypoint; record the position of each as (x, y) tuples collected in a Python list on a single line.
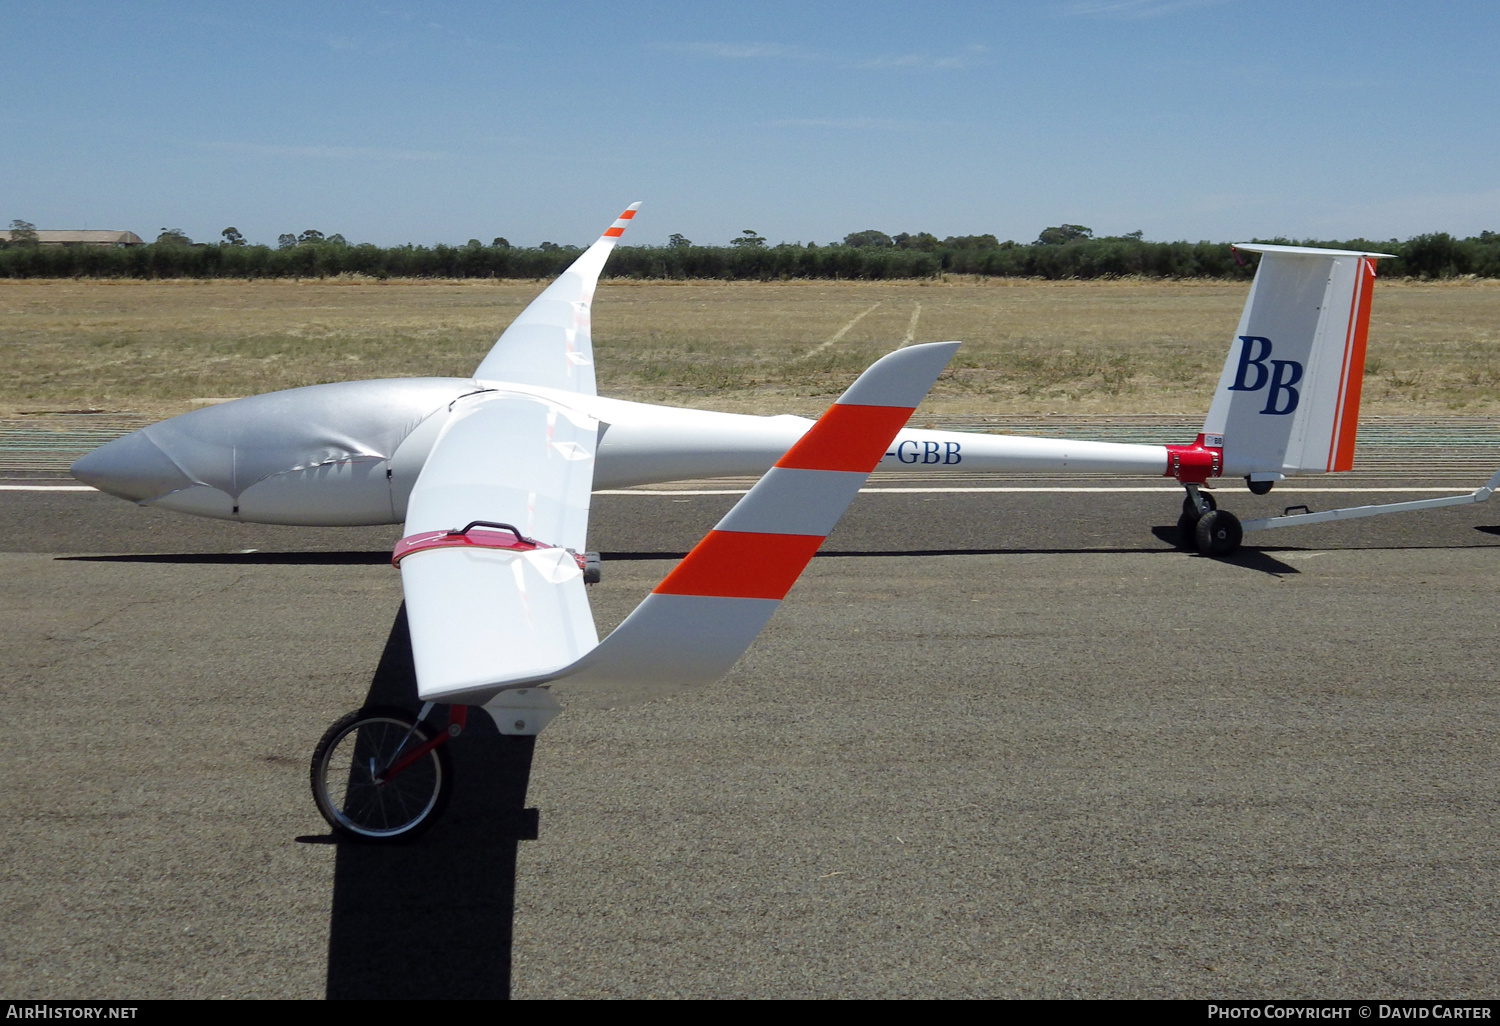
[(349, 453)]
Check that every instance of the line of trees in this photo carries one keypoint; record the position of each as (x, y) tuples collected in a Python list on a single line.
[(1066, 251)]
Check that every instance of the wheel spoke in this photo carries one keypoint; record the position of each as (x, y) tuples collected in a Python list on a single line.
[(345, 780)]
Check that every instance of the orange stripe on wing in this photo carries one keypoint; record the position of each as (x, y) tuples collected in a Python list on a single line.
[(613, 233), (627, 215), (1348, 425), (738, 564), (847, 437)]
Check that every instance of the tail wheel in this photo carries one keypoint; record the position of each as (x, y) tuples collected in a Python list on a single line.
[(1191, 510), (348, 783), (1218, 533), (1187, 524)]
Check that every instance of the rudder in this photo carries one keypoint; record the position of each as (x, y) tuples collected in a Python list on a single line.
[(1288, 398)]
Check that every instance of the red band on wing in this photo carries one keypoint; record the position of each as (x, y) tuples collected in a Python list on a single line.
[(613, 233), (847, 437), (473, 539), (479, 539), (739, 564)]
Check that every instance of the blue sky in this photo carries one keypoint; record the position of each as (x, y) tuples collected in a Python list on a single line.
[(438, 122)]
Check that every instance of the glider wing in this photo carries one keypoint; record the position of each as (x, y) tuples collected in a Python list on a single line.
[(490, 560), (487, 624), (698, 621), (550, 343)]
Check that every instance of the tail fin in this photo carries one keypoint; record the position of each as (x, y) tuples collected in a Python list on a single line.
[(1288, 399)]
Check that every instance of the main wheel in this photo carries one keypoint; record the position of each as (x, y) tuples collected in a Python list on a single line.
[(1218, 533), (1259, 487), (351, 757), (1187, 524)]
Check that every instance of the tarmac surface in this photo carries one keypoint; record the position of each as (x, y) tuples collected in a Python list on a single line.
[(993, 744)]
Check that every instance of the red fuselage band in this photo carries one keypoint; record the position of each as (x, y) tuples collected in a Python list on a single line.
[(1194, 464)]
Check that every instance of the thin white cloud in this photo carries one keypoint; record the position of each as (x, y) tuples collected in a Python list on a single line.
[(853, 124), (1133, 9), (745, 51), (968, 57), (324, 152)]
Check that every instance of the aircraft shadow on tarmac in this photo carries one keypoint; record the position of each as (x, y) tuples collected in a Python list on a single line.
[(432, 918), (1248, 557), (246, 558), (1251, 559)]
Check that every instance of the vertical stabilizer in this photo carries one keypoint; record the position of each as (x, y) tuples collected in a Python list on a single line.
[(1288, 399)]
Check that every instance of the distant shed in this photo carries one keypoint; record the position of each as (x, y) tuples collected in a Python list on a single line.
[(81, 238)]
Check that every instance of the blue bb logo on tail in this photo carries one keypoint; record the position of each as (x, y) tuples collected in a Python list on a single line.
[(1281, 375)]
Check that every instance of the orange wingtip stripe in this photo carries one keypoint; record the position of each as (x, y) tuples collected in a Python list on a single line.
[(847, 437), (739, 564), (613, 233), (627, 215)]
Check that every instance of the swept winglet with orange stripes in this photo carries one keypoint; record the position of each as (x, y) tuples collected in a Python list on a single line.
[(622, 222), (550, 343)]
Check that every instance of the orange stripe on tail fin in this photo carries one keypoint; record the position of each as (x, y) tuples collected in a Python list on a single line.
[(1346, 424)]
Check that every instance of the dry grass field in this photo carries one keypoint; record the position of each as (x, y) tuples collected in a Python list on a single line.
[(1032, 348)]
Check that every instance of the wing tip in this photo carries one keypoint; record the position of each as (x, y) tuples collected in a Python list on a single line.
[(900, 378), (622, 222)]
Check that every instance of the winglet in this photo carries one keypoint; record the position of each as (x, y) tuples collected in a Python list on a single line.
[(551, 342), (622, 222), (763, 544)]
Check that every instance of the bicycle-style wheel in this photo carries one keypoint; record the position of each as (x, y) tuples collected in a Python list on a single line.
[(347, 776)]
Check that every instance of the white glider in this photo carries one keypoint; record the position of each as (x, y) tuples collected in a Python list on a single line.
[(492, 475), (1287, 405)]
